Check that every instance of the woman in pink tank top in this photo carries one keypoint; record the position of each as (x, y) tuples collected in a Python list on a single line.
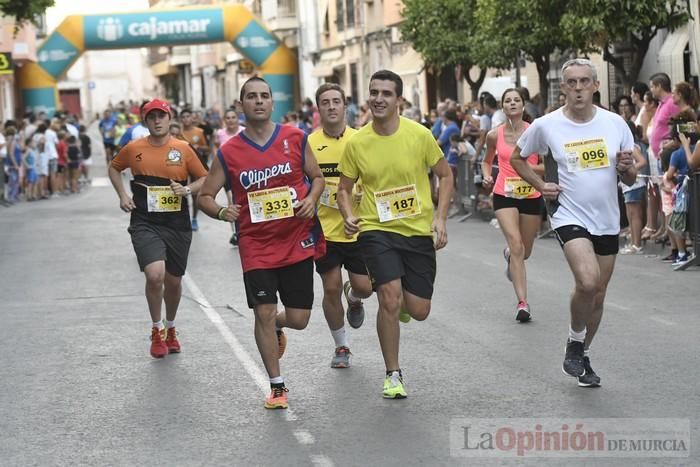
[(519, 207)]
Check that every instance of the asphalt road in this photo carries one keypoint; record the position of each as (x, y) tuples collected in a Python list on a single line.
[(78, 387)]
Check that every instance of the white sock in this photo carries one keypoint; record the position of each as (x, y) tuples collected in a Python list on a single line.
[(340, 338), (158, 324), (352, 297), (169, 324), (277, 380), (577, 336), (587, 353)]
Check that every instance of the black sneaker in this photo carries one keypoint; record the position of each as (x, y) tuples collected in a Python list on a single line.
[(588, 379), (573, 359), (234, 239)]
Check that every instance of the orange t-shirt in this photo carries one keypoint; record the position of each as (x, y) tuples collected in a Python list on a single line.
[(196, 137), (156, 166)]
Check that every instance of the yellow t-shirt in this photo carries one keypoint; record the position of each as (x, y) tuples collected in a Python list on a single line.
[(328, 151), (394, 172)]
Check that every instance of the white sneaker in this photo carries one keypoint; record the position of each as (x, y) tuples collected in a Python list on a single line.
[(632, 250)]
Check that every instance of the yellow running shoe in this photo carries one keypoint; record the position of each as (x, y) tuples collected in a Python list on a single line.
[(393, 386), (404, 317)]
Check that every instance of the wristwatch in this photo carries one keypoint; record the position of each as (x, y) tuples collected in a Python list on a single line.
[(188, 190)]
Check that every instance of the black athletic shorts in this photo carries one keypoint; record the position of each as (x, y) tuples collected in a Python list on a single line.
[(154, 242), (389, 256), (603, 245), (342, 254), (532, 206), (295, 284)]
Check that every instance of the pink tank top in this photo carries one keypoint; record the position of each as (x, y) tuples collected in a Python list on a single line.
[(508, 183)]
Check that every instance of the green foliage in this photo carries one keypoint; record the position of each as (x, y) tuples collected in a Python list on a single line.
[(24, 10), (604, 23), (440, 31)]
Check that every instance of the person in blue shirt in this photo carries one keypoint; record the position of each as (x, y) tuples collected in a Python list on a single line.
[(449, 128), (107, 127)]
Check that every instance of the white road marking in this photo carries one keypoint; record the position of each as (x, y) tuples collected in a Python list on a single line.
[(304, 437), (253, 370), (662, 321)]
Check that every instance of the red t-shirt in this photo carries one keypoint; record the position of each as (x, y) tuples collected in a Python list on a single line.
[(252, 168), (62, 150)]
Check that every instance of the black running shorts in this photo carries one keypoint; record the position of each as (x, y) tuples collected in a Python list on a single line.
[(390, 256), (295, 284), (603, 245), (342, 254), (532, 206)]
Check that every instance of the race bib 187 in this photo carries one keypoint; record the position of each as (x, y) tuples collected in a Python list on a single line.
[(397, 203)]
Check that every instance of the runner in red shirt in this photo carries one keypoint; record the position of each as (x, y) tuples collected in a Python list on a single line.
[(268, 167)]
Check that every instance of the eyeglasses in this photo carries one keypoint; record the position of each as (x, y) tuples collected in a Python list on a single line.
[(584, 82)]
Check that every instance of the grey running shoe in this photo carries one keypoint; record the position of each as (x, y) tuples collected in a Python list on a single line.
[(506, 255), (356, 310), (341, 359), (588, 379), (573, 359)]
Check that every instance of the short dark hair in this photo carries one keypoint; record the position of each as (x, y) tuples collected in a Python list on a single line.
[(451, 115), (230, 109), (329, 87), (640, 89), (661, 79), (490, 101), (388, 75), (253, 79), (186, 110)]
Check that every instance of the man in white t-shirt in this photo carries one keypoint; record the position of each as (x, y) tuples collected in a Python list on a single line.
[(586, 148), (50, 142)]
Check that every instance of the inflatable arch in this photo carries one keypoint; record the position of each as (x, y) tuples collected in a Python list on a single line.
[(183, 26)]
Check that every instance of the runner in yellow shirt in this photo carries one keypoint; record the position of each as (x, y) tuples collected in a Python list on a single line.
[(327, 144), (392, 156)]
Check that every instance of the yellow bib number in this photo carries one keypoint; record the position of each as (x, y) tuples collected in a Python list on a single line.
[(162, 199), (329, 197), (397, 203), (270, 205), (516, 187), (586, 155)]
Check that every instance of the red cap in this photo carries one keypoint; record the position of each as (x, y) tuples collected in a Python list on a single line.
[(156, 104)]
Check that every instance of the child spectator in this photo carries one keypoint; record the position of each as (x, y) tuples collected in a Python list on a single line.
[(42, 166), (86, 152), (62, 151), (31, 157), (74, 164)]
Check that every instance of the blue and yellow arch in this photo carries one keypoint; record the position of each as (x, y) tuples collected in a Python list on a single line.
[(184, 26)]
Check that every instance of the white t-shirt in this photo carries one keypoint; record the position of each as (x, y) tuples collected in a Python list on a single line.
[(589, 194), (3, 149), (498, 118), (51, 140)]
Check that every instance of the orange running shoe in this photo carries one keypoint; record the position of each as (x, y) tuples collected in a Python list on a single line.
[(281, 342), (277, 398), (171, 340), (158, 347)]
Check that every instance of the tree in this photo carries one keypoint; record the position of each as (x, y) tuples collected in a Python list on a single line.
[(440, 29), (628, 23), (531, 26), (24, 10)]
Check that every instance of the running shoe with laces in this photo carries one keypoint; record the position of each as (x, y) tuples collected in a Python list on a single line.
[(393, 386), (681, 259), (356, 310), (171, 340), (573, 359), (277, 398), (506, 255), (341, 359), (158, 347), (522, 312), (281, 342), (588, 379)]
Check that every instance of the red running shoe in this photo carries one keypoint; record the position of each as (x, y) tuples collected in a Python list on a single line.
[(158, 347)]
